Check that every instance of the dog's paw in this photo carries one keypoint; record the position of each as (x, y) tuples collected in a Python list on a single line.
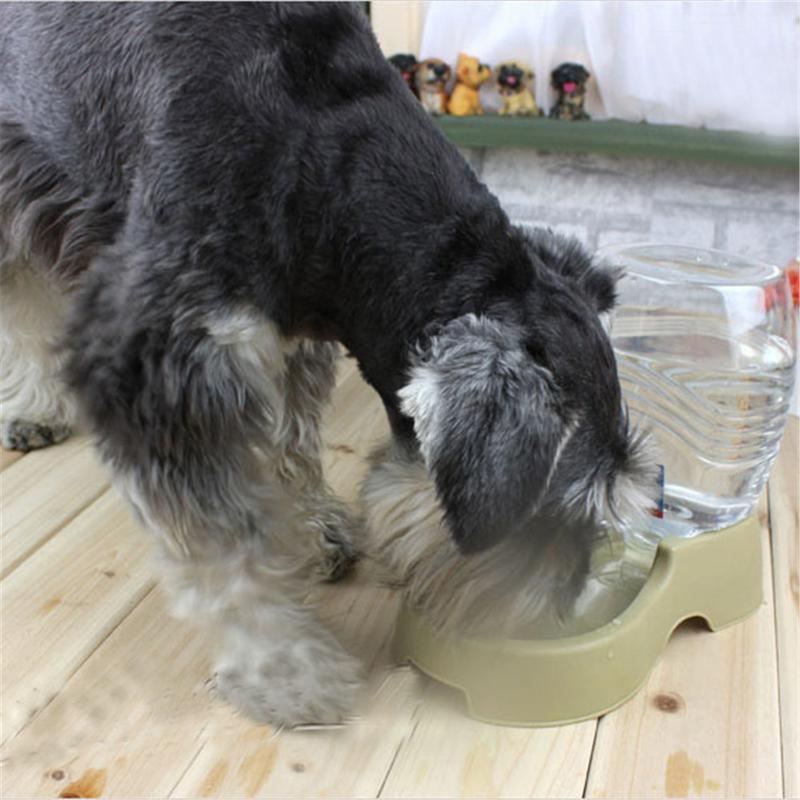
[(338, 535), (305, 682), (19, 434)]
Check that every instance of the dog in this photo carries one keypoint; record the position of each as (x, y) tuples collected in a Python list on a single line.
[(465, 99), (513, 79), (406, 65), (431, 79), (199, 204), (569, 81)]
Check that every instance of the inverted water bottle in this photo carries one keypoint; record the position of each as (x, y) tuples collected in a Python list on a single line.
[(705, 344)]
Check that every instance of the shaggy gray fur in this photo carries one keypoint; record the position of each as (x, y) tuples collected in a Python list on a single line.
[(200, 202)]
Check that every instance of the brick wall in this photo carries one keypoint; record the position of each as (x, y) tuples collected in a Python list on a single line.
[(607, 200)]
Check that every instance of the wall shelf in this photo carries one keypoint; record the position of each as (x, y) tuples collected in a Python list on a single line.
[(613, 137)]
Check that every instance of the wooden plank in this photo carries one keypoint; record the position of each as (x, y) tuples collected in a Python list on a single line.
[(136, 720), (63, 601), (131, 715), (450, 755), (8, 457), (240, 759), (41, 493), (615, 137), (785, 527), (707, 720), (354, 424)]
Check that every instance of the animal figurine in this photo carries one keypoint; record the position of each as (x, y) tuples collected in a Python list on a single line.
[(465, 100), (406, 65), (431, 79), (569, 80), (513, 78)]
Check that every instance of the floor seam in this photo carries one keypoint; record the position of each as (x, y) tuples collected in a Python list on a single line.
[(407, 738), (69, 520), (591, 757), (192, 761), (147, 591), (775, 626)]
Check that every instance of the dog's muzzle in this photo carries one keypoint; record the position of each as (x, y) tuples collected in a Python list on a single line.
[(510, 78)]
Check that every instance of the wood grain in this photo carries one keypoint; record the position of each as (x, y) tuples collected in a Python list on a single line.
[(139, 712), (449, 755), (354, 424), (65, 600), (41, 493), (353, 761), (8, 457), (784, 505), (707, 720), (134, 712)]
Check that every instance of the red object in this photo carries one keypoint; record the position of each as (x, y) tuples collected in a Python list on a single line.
[(794, 279), (794, 282)]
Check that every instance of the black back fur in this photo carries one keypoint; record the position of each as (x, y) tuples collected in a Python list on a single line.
[(267, 156)]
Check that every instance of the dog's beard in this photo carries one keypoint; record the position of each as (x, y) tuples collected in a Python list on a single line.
[(529, 576)]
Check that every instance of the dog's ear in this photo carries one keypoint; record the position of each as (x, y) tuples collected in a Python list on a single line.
[(486, 417), (567, 256)]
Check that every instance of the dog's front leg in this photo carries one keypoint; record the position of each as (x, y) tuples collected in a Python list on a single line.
[(186, 406), (276, 662)]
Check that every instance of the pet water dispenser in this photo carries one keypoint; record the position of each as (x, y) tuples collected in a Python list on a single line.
[(705, 350)]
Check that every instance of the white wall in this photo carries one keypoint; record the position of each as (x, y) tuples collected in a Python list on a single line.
[(728, 64)]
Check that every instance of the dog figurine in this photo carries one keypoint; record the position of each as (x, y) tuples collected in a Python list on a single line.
[(569, 81), (406, 65), (513, 79), (431, 78), (465, 98), (198, 232)]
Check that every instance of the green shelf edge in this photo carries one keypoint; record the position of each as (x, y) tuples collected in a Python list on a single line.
[(614, 137)]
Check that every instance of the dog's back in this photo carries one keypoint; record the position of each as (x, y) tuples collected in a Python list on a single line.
[(97, 97)]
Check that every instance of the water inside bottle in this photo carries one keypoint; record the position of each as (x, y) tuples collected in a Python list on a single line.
[(716, 403)]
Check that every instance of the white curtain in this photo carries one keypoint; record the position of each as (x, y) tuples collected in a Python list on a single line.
[(726, 64)]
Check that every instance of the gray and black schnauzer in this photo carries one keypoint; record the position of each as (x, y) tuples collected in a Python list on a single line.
[(198, 203)]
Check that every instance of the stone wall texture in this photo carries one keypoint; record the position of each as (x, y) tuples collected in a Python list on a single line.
[(605, 200)]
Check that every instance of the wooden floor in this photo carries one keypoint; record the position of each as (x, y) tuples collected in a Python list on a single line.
[(104, 695)]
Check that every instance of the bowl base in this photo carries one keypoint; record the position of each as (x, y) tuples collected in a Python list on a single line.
[(715, 576)]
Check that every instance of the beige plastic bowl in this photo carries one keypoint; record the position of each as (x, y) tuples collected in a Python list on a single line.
[(716, 576)]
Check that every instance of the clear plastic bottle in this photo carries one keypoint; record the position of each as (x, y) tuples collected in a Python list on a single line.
[(705, 345)]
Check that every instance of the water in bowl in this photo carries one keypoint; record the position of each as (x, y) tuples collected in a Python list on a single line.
[(619, 569)]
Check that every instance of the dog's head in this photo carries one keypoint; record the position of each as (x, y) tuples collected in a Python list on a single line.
[(570, 78), (406, 65), (517, 406), (471, 72), (432, 74), (513, 77)]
